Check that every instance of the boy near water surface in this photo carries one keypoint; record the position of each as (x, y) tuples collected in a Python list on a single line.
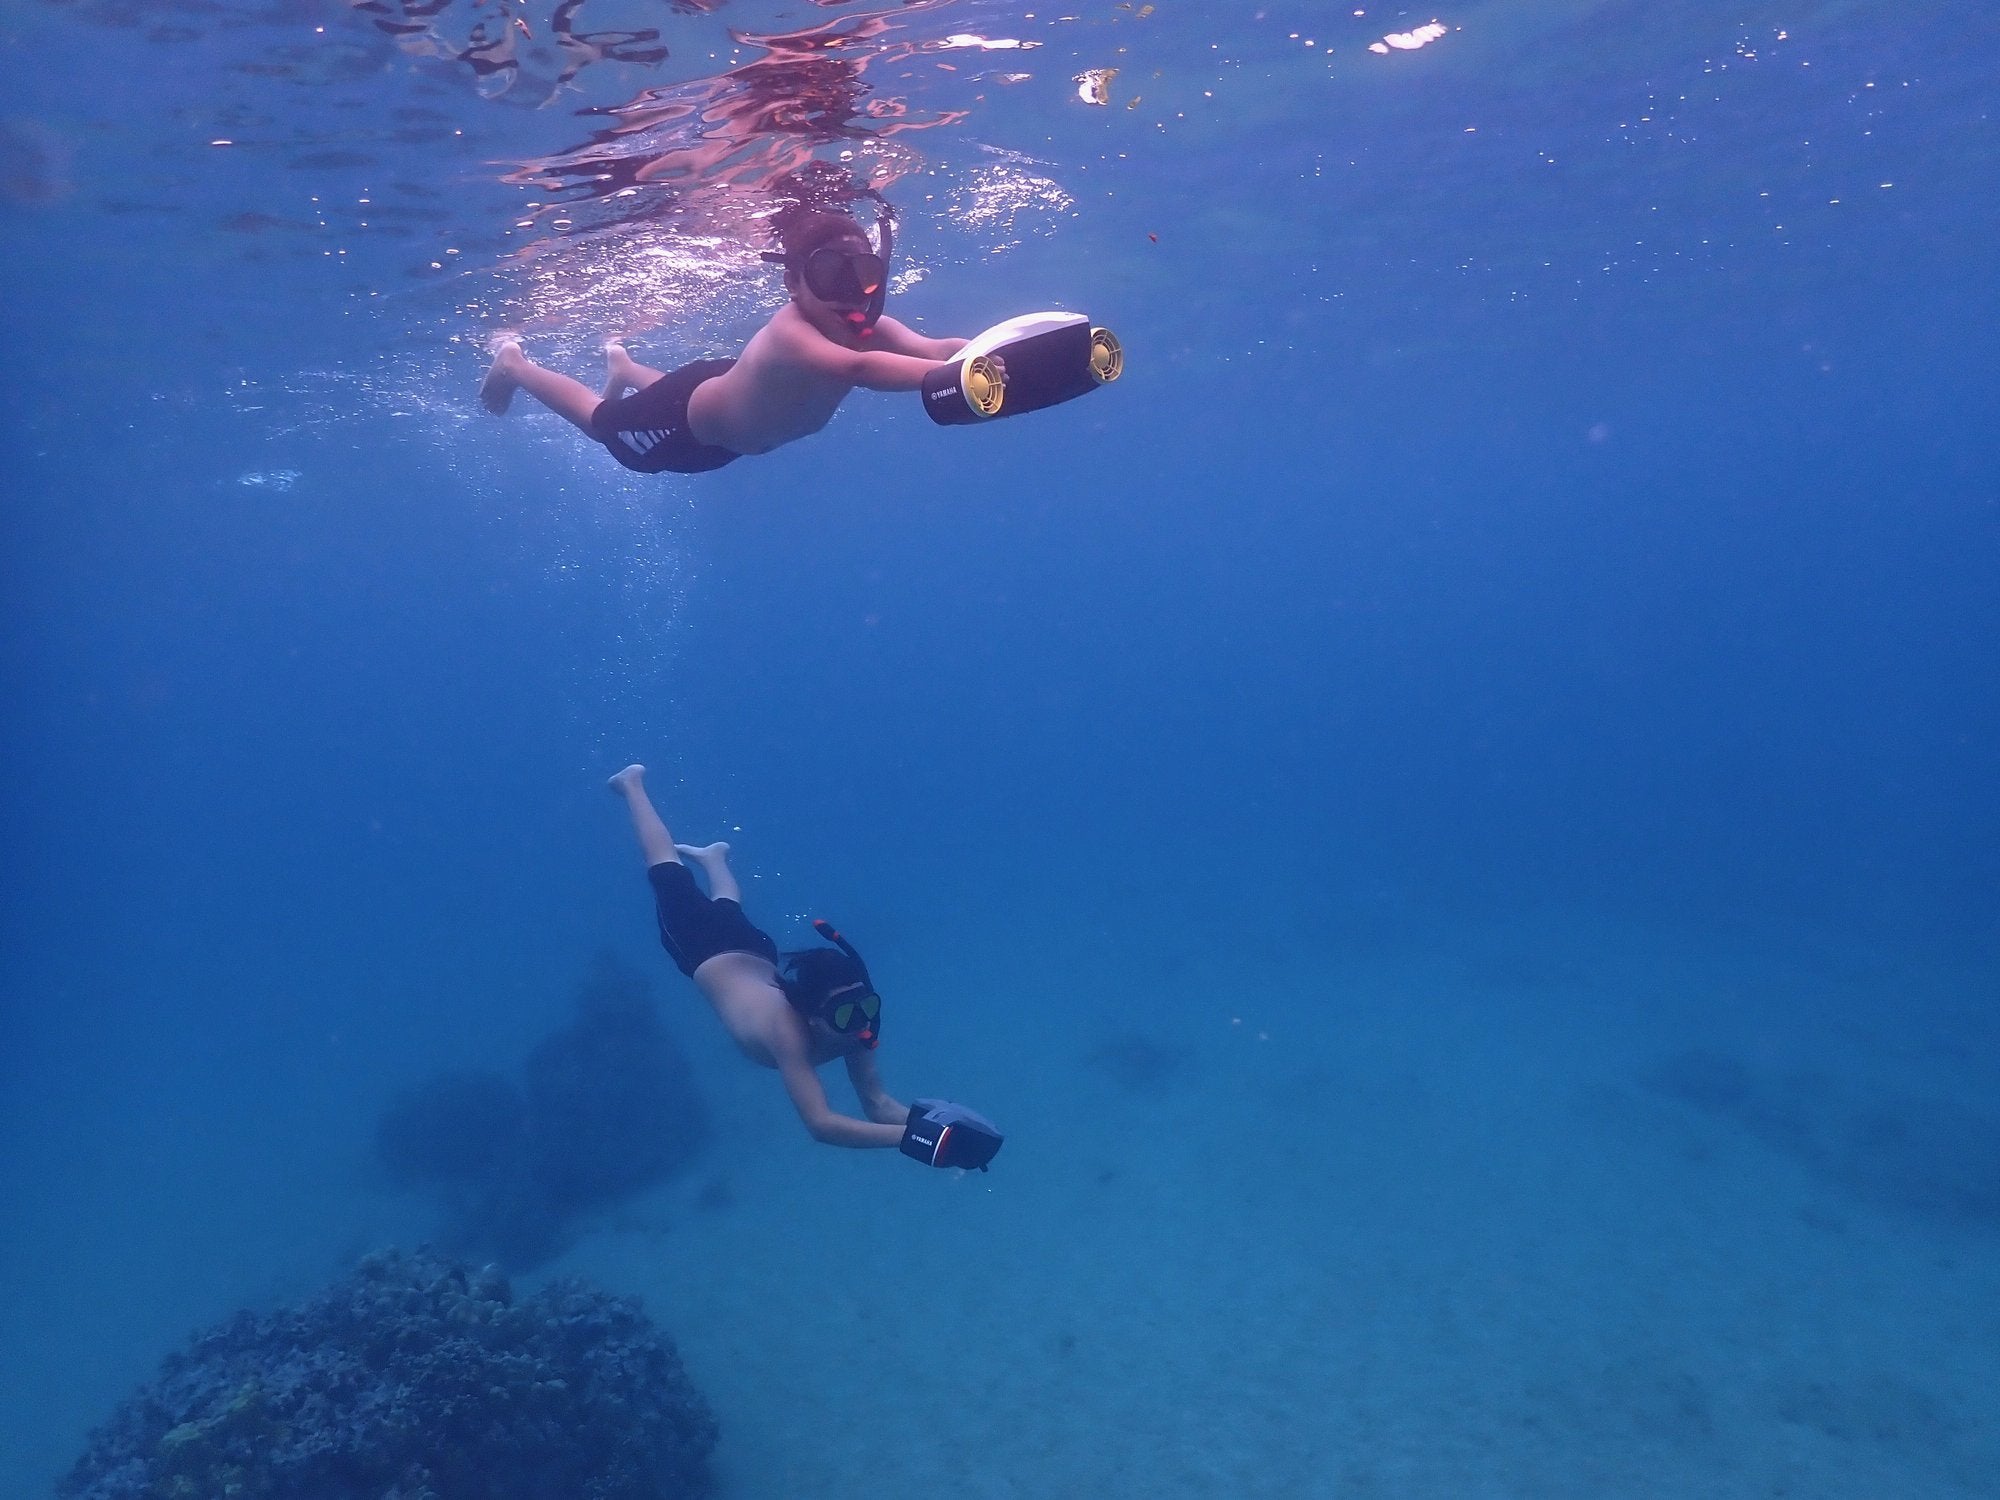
[(787, 383)]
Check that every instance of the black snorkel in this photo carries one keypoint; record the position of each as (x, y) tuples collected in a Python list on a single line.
[(877, 300), (826, 930)]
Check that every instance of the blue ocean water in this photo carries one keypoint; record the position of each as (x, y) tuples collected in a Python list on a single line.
[(1449, 813)]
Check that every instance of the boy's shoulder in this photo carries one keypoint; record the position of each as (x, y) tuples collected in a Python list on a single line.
[(788, 318), (784, 330), (790, 337), (795, 327)]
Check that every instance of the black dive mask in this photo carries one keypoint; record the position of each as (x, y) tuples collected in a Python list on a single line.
[(847, 278)]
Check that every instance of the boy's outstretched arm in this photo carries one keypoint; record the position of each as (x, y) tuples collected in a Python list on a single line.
[(820, 1118), (900, 338), (871, 369), (876, 1101)]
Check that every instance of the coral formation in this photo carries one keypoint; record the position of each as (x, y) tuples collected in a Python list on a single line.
[(606, 1106), (413, 1379)]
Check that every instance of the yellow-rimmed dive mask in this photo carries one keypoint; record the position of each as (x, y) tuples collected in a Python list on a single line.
[(832, 985)]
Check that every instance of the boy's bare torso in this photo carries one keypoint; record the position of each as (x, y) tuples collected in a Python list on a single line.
[(769, 397), (743, 988)]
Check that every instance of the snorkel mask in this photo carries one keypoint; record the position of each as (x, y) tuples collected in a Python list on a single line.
[(835, 987), (854, 281)]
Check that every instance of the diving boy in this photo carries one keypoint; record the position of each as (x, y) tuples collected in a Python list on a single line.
[(787, 383), (794, 1012)]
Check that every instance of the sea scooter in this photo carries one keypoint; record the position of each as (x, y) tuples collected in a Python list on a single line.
[(1043, 359)]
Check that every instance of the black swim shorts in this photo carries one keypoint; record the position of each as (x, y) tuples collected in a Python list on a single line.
[(694, 928), (648, 430)]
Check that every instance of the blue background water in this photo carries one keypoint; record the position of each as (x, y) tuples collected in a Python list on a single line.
[(1524, 621)]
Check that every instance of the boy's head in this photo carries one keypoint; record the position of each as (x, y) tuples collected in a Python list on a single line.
[(805, 230), (830, 263), (831, 989)]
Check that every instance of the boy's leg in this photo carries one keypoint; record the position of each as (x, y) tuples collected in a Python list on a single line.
[(512, 370), (713, 862), (654, 841), (623, 373)]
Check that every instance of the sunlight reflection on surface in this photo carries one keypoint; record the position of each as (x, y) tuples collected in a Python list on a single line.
[(1409, 41)]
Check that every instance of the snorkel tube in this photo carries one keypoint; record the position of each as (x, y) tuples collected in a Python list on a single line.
[(866, 319), (826, 930)]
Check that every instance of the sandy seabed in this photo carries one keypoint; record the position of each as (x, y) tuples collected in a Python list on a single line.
[(1474, 1227)]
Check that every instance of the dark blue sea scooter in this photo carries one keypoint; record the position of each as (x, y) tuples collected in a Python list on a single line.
[(1042, 359)]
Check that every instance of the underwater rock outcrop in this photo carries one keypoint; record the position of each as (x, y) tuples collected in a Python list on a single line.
[(605, 1106), (415, 1378), (1137, 1063), (1927, 1155)]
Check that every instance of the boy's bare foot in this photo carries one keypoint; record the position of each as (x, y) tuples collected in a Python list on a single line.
[(498, 388), (621, 371), (619, 364), (702, 852), (627, 779)]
